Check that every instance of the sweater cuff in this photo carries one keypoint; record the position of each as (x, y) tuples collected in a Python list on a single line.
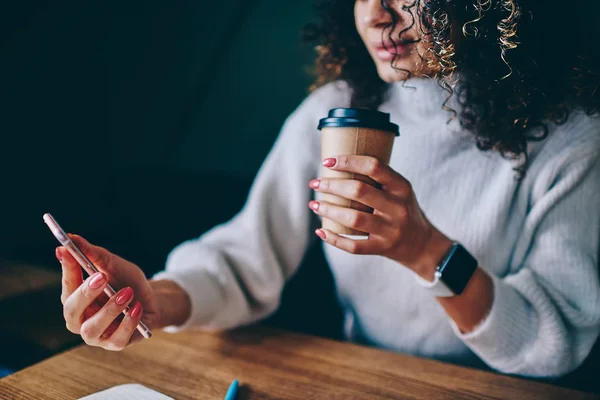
[(205, 297), (504, 332)]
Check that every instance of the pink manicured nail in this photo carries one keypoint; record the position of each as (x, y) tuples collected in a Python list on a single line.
[(315, 183), (136, 310), (329, 162), (58, 254), (314, 205), (124, 296), (97, 280), (320, 233)]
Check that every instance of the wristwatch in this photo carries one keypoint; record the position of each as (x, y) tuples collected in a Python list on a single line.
[(452, 274)]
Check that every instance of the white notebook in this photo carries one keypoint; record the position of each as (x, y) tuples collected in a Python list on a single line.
[(130, 391)]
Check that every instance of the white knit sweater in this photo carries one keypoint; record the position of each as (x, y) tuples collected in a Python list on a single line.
[(537, 237)]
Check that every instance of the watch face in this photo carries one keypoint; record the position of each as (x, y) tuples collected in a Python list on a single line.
[(458, 269)]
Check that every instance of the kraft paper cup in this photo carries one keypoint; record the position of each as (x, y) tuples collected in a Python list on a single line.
[(348, 131)]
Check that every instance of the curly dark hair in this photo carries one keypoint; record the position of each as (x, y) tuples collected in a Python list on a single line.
[(522, 63)]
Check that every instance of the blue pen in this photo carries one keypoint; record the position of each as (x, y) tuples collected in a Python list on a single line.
[(232, 391)]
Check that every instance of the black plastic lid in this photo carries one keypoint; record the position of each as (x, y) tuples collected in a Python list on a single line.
[(359, 117)]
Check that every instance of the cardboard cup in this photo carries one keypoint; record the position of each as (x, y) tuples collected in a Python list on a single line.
[(352, 140)]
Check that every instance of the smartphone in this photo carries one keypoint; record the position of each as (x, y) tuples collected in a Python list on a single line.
[(86, 264)]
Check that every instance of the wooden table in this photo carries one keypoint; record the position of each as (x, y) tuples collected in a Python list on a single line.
[(270, 364)]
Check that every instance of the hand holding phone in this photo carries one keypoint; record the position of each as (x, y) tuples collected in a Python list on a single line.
[(87, 316)]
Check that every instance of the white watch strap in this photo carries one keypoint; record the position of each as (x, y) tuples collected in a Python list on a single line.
[(437, 288)]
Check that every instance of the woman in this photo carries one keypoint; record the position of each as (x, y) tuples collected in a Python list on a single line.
[(499, 161)]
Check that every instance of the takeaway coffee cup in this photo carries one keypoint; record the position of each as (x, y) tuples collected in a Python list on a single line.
[(352, 131)]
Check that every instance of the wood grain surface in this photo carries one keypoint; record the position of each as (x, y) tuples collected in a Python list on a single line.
[(270, 364)]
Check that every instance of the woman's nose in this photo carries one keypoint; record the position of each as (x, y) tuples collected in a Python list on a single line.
[(376, 15)]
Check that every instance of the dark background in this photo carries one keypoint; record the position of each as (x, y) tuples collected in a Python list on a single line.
[(99, 99), (140, 124)]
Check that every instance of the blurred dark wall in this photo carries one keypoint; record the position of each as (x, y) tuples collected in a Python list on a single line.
[(113, 110), (141, 124)]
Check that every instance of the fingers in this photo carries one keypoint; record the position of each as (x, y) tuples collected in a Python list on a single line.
[(126, 331), (371, 167), (87, 309), (353, 189), (348, 245), (76, 304), (359, 220), (93, 328), (72, 276)]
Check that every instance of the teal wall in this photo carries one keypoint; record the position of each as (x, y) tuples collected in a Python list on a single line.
[(192, 82), (91, 91)]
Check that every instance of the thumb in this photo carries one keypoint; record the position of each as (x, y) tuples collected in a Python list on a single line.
[(99, 256)]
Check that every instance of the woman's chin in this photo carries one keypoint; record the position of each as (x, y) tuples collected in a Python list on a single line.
[(389, 74)]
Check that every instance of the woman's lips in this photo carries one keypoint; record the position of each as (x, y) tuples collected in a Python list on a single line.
[(384, 54), (387, 51)]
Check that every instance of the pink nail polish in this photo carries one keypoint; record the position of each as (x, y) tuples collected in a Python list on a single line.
[(124, 296), (320, 233), (97, 280), (315, 183), (58, 254), (329, 162), (136, 310), (314, 205)]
